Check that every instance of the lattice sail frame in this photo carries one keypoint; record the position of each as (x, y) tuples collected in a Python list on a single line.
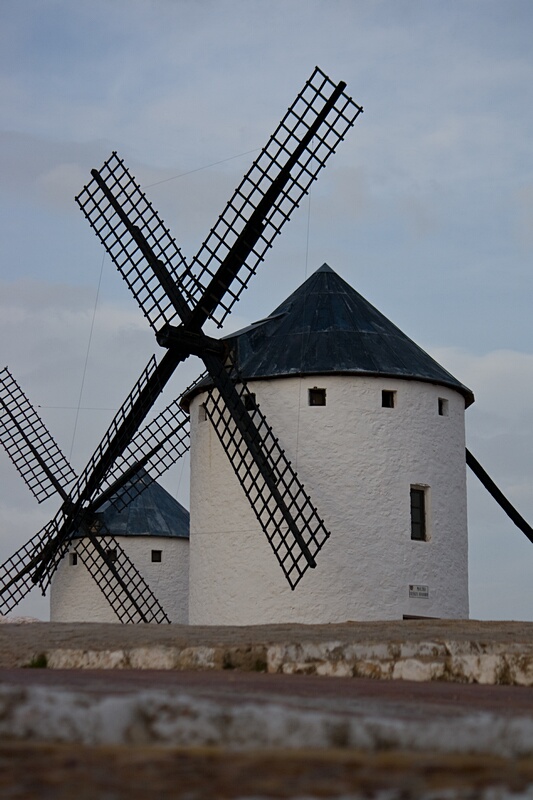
[(160, 444), (29, 444), (136, 238), (280, 150), (16, 574), (156, 447), (111, 568), (81, 484), (311, 526), (114, 231)]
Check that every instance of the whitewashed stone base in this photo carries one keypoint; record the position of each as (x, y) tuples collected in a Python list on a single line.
[(358, 461)]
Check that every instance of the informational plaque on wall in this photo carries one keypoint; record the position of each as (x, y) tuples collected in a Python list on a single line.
[(417, 590)]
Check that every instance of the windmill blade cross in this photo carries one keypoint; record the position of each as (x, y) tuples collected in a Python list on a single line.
[(168, 290), (147, 256), (264, 200), (122, 429), (37, 561)]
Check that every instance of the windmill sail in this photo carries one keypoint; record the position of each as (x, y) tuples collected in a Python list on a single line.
[(273, 187), (136, 238), (156, 447), (28, 443), (284, 510)]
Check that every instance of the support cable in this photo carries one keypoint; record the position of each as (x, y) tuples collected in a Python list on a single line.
[(86, 359), (199, 169)]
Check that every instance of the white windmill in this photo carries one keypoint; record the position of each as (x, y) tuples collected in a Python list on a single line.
[(375, 428)]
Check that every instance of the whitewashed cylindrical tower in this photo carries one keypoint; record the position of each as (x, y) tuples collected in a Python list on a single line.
[(375, 429), (153, 530)]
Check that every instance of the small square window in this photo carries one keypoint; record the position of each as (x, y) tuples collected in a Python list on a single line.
[(418, 514), (72, 559), (250, 402), (317, 397), (111, 555), (388, 398), (157, 556), (443, 407)]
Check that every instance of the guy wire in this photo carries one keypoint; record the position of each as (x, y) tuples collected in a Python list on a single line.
[(86, 359)]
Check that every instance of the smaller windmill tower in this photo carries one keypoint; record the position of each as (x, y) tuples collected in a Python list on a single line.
[(375, 428), (153, 530)]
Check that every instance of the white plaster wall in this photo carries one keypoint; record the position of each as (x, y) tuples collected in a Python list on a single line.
[(75, 597), (357, 461)]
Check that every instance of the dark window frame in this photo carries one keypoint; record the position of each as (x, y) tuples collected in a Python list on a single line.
[(443, 407), (157, 556), (316, 396), (388, 398), (418, 506)]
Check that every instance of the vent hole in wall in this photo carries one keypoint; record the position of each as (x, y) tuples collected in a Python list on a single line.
[(317, 397), (388, 398)]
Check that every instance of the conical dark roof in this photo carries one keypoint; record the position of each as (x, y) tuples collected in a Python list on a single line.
[(154, 512), (326, 327)]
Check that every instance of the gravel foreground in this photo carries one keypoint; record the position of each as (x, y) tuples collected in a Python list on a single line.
[(72, 735)]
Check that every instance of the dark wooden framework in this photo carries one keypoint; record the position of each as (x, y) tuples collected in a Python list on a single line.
[(418, 514), (177, 299)]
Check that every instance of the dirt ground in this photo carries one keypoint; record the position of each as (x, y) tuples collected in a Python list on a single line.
[(65, 772), (62, 771)]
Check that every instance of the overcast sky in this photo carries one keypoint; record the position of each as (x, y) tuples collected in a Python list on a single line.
[(427, 208)]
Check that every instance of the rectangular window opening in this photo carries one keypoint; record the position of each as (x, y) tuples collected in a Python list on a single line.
[(157, 556), (388, 398), (111, 555), (317, 397), (418, 514), (72, 559), (202, 415), (443, 407)]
